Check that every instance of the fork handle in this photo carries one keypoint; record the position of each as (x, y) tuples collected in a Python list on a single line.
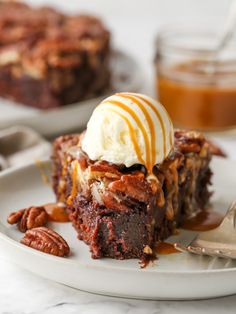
[(230, 217)]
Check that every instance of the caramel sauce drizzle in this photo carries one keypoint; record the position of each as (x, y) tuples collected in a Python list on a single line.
[(170, 139), (74, 184), (164, 248), (161, 248), (160, 120), (150, 124), (205, 220), (141, 127), (132, 135), (56, 212)]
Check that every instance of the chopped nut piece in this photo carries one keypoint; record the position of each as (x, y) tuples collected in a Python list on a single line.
[(147, 250)]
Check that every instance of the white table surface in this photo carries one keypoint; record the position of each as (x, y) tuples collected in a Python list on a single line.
[(24, 293)]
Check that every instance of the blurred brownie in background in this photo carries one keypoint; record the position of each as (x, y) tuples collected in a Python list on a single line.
[(48, 59)]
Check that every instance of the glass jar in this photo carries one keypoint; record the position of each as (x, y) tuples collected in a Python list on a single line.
[(198, 91)]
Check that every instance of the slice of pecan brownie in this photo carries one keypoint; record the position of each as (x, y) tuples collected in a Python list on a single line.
[(116, 210)]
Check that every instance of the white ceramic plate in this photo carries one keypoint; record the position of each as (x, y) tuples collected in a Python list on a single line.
[(126, 76), (175, 276)]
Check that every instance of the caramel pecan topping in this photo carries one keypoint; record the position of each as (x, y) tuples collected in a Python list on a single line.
[(46, 240), (28, 218), (170, 211), (134, 186), (189, 142), (103, 169), (103, 166), (111, 200)]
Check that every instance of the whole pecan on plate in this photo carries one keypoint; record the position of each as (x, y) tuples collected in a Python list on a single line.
[(29, 218), (46, 240)]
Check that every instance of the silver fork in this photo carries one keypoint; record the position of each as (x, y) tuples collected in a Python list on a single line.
[(219, 242)]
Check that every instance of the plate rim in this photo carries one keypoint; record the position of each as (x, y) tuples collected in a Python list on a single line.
[(4, 237)]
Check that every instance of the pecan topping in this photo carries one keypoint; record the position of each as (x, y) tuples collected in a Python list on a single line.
[(111, 200), (28, 218), (134, 186), (216, 150), (102, 169), (189, 142), (46, 240)]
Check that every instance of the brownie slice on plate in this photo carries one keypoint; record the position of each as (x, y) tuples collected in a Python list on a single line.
[(116, 210)]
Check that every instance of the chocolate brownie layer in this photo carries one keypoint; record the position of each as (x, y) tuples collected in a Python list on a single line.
[(120, 212), (48, 59)]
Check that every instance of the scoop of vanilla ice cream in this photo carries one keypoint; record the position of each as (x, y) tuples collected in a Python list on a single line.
[(129, 128)]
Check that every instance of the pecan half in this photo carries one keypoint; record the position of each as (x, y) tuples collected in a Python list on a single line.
[(46, 240), (111, 200), (134, 186), (28, 218)]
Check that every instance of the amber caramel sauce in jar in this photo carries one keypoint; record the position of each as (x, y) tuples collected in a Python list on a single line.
[(197, 92)]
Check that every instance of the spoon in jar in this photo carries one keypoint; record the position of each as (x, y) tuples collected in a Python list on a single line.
[(223, 41)]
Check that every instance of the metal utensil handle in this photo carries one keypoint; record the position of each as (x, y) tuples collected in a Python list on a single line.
[(228, 28), (230, 217)]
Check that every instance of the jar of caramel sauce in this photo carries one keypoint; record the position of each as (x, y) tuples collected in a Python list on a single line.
[(198, 90)]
